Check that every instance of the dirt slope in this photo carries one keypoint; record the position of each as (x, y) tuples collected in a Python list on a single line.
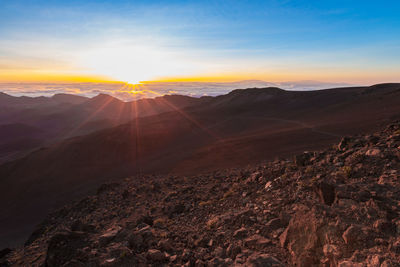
[(336, 207)]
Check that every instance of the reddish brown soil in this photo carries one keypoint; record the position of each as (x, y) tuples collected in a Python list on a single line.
[(336, 207)]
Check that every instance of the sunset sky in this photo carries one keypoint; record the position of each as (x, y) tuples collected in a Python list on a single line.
[(131, 41)]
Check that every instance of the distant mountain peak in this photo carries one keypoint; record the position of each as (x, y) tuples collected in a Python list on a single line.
[(4, 95), (249, 91), (69, 98), (102, 97)]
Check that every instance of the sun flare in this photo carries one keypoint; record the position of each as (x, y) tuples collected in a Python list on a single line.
[(133, 63), (137, 90)]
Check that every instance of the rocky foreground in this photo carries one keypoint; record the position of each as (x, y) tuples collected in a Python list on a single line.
[(338, 207)]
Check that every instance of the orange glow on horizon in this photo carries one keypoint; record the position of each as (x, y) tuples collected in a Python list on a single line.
[(301, 75), (43, 77), (135, 89)]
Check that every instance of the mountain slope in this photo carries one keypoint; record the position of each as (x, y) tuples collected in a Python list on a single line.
[(63, 116), (18, 137), (336, 207), (237, 129)]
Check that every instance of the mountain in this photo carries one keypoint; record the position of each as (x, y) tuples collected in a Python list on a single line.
[(240, 128), (62, 116), (25, 101), (16, 138), (335, 207), (69, 99)]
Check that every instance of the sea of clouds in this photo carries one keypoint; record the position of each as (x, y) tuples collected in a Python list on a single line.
[(153, 89)]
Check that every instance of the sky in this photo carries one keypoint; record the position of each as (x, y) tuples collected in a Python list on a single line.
[(341, 41)]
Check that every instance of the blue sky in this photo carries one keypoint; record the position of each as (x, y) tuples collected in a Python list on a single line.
[(346, 41)]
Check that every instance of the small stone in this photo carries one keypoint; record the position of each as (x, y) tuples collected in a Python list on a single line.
[(330, 251), (240, 233), (382, 225), (155, 255), (397, 227), (110, 234), (215, 262), (386, 263), (233, 250), (374, 152), (268, 186), (165, 245), (274, 224), (262, 260), (200, 263), (344, 143), (110, 260), (352, 234), (395, 247), (257, 242), (385, 179), (350, 264), (135, 240), (219, 252), (374, 261)]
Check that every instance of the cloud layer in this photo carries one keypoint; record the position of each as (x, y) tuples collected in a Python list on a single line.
[(152, 89)]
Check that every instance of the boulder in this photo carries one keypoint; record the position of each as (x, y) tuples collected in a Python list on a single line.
[(307, 233), (65, 247), (325, 192)]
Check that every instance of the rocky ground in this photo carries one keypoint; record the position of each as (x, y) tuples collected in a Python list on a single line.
[(338, 207)]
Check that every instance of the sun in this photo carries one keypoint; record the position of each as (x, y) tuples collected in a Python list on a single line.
[(133, 63), (133, 82)]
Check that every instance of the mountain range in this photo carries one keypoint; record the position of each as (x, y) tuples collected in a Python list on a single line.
[(74, 144), (55, 118)]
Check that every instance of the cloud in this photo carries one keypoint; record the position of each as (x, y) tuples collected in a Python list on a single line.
[(153, 89)]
